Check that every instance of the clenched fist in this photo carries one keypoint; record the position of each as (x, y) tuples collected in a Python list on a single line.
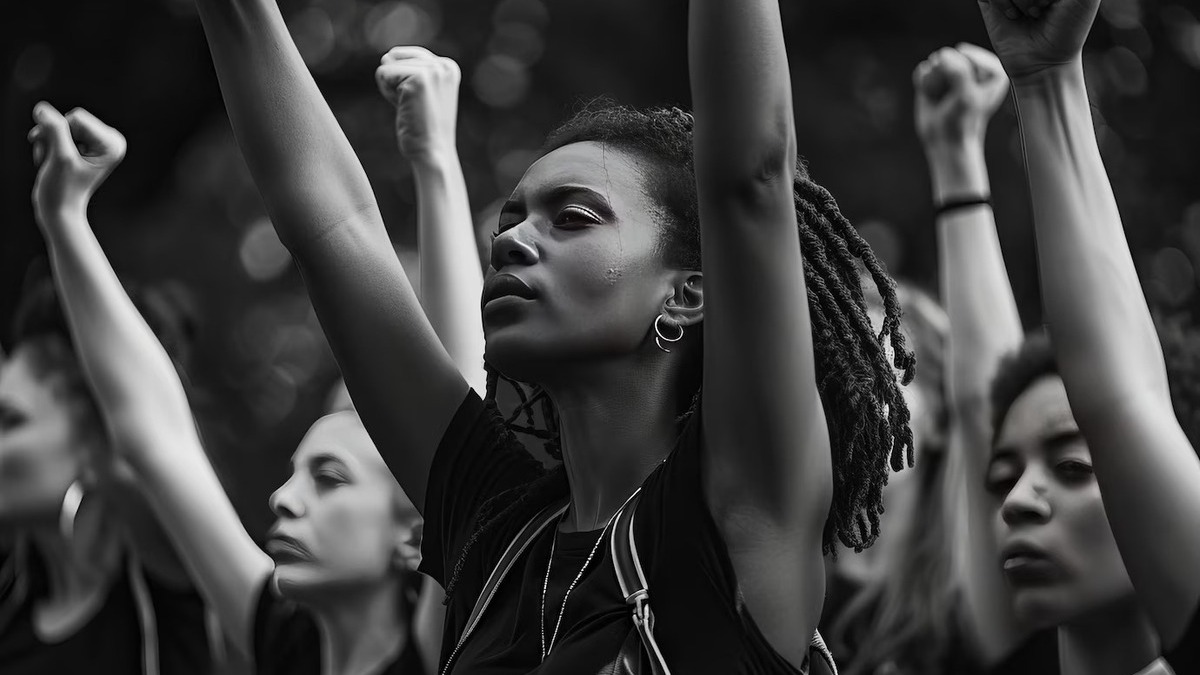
[(424, 88), (957, 90), (1030, 36), (74, 154)]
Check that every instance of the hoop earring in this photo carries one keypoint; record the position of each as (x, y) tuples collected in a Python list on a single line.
[(659, 338), (70, 508)]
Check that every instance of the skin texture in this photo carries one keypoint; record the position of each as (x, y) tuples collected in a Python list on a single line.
[(1046, 496)]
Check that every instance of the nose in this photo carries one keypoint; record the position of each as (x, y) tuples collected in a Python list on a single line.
[(285, 503), (1028, 501), (513, 247)]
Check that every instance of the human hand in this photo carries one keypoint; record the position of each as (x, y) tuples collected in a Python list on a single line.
[(74, 154), (424, 88), (1031, 36), (957, 90)]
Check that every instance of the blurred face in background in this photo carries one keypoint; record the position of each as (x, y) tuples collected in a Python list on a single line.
[(342, 522), (43, 437), (1056, 549)]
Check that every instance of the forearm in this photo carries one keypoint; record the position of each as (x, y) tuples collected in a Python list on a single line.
[(451, 275), (128, 369), (984, 323), (1107, 350), (305, 169)]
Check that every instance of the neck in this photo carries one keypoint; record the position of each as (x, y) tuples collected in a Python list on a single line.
[(77, 568), (362, 630), (1119, 640), (614, 430)]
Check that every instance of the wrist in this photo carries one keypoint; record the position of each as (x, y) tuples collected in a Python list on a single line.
[(958, 172), (1049, 78), (65, 212), (433, 156)]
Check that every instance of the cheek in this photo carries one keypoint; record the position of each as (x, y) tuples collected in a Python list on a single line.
[(36, 466), (353, 528), (1090, 543)]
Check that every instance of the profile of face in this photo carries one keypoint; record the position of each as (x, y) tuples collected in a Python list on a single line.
[(41, 441), (1057, 551), (577, 271), (342, 522)]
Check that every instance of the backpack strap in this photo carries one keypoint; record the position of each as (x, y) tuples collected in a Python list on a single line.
[(632, 579), (633, 583), (520, 542), (146, 616)]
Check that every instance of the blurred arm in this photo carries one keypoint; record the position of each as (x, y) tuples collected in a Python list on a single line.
[(984, 327), (451, 275)]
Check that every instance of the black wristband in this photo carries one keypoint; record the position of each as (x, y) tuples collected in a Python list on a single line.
[(961, 203)]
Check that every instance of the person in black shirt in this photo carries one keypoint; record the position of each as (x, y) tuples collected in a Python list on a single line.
[(597, 298), (88, 582)]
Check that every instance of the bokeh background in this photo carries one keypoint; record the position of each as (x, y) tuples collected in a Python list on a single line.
[(182, 213)]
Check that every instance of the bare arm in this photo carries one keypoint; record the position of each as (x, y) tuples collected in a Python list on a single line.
[(136, 387), (767, 459), (1107, 349), (957, 91), (405, 385), (424, 89)]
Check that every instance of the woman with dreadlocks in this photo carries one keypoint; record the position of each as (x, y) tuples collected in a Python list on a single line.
[(603, 298), (1090, 480)]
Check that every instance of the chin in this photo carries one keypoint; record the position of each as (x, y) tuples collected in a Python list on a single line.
[(1048, 606)]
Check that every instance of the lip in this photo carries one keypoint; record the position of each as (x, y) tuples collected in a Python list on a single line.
[(1025, 564), (505, 285), (285, 549)]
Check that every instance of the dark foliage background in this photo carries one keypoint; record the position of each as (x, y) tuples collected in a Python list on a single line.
[(181, 210)]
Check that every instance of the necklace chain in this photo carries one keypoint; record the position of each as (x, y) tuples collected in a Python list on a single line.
[(546, 583)]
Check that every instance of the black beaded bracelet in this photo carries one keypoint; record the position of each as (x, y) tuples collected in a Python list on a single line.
[(961, 203)]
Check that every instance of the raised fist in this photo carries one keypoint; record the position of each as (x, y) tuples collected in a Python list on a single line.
[(957, 90), (1030, 36), (74, 154), (424, 88)]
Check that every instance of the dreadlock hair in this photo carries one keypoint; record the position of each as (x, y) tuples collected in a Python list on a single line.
[(860, 393), (903, 620)]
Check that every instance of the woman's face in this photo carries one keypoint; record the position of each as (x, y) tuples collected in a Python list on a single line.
[(577, 274), (39, 443), (1056, 549), (342, 521)]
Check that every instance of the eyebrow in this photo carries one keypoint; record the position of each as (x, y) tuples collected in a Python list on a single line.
[(1060, 440), (562, 193), (319, 458)]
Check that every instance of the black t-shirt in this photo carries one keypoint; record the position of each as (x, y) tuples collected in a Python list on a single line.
[(1038, 655), (112, 641), (702, 625), (287, 641)]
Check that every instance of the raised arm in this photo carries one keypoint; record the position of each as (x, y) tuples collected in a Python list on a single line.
[(957, 91), (405, 386), (424, 89), (1106, 346), (767, 459), (136, 387)]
